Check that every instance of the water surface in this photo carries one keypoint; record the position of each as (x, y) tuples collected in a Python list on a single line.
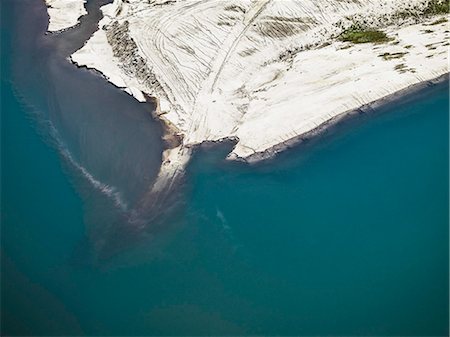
[(347, 235)]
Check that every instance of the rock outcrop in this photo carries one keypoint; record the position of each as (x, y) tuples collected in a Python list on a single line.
[(64, 13)]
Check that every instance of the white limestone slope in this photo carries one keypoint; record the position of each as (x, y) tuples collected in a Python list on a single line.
[(220, 73), (64, 13), (263, 72)]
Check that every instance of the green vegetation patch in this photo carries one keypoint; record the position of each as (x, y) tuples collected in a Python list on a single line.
[(357, 34), (431, 46), (435, 7), (392, 56), (401, 66), (438, 22)]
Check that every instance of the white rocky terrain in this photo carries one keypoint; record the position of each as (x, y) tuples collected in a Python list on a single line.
[(264, 73), (64, 13)]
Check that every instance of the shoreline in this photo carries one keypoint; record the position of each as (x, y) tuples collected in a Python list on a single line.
[(171, 132), (268, 106), (365, 109), (288, 101)]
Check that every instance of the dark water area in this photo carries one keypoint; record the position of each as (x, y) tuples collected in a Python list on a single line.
[(346, 235), (109, 140)]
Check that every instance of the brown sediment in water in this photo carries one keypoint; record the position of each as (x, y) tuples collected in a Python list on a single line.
[(172, 138)]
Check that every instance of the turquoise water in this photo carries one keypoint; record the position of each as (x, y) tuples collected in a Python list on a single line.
[(346, 235)]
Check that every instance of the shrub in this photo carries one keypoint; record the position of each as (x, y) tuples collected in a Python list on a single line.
[(357, 34)]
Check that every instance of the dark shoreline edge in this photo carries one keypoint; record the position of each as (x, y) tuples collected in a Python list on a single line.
[(335, 121), (274, 151)]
